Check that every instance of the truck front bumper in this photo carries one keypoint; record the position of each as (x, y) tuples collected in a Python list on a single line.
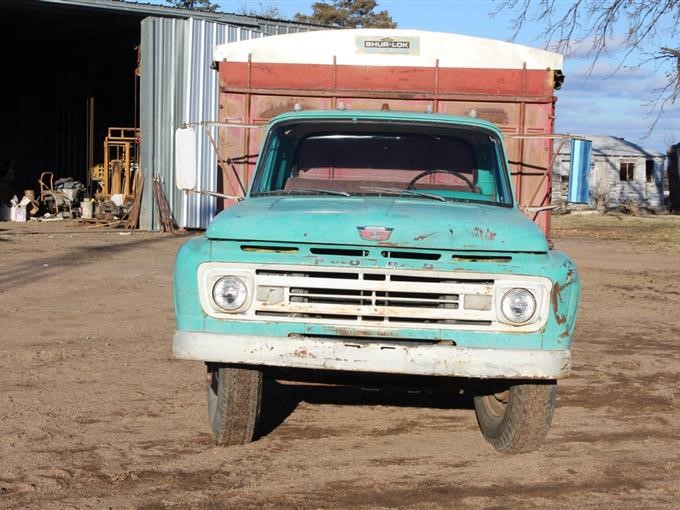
[(372, 356)]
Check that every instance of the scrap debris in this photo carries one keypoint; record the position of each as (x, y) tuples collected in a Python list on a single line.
[(168, 223), (111, 198), (133, 218)]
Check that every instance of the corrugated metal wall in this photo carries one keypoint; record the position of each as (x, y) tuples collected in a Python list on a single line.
[(178, 86)]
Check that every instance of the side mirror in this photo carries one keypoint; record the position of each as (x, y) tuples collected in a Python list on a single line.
[(186, 171), (579, 169)]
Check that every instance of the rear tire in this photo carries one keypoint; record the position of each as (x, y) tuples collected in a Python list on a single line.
[(234, 401), (517, 418)]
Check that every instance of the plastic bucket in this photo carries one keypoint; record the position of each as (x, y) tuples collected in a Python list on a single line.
[(86, 209)]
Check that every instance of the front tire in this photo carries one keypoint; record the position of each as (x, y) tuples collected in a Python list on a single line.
[(234, 402), (517, 418)]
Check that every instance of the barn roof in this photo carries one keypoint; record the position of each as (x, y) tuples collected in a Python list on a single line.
[(142, 9)]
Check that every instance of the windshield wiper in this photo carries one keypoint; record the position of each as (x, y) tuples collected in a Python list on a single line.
[(304, 190), (327, 191), (399, 191)]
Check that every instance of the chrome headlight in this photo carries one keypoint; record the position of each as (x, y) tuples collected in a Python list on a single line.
[(230, 293), (518, 305)]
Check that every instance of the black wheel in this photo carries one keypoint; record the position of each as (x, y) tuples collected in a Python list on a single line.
[(465, 179), (234, 400), (517, 418)]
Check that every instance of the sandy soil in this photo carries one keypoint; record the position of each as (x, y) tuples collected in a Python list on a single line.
[(95, 412)]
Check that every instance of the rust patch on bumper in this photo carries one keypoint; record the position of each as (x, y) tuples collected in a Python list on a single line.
[(302, 352), (375, 333), (348, 332)]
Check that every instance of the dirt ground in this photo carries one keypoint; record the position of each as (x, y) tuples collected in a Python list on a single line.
[(95, 412)]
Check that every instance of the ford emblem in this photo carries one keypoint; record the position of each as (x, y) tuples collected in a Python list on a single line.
[(375, 233)]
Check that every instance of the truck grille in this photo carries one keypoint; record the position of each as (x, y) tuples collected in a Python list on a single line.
[(372, 301), (369, 296)]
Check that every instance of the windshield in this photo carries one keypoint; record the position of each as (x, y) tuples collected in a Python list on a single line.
[(423, 161)]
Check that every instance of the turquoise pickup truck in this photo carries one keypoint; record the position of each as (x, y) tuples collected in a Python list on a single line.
[(380, 242)]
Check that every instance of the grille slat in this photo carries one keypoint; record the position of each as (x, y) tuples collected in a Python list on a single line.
[(356, 309), (387, 285), (383, 297)]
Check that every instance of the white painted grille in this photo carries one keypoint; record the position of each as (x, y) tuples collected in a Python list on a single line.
[(370, 296)]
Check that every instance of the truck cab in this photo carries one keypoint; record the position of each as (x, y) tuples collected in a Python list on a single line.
[(380, 242)]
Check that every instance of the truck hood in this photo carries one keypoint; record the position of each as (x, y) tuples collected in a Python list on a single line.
[(415, 223)]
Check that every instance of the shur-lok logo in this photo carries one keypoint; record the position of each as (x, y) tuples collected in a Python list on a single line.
[(387, 43)]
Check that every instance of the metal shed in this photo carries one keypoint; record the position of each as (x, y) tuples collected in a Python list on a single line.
[(77, 67), (178, 86)]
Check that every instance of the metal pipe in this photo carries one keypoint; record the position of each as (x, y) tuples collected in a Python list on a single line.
[(551, 136), (223, 124)]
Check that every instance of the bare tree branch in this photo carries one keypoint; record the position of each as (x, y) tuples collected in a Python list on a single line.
[(570, 26)]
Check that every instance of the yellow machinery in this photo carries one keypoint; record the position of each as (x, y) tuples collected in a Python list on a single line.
[(115, 175)]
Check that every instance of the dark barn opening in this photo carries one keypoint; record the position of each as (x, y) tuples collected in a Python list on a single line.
[(69, 75)]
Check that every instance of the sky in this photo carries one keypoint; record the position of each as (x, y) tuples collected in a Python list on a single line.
[(592, 100)]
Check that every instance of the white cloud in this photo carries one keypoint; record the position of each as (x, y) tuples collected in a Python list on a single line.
[(615, 48), (605, 99), (590, 113)]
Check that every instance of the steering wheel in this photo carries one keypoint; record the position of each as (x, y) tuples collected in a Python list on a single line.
[(462, 177)]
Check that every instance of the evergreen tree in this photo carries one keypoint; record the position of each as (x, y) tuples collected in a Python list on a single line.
[(263, 10), (348, 14), (194, 5)]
